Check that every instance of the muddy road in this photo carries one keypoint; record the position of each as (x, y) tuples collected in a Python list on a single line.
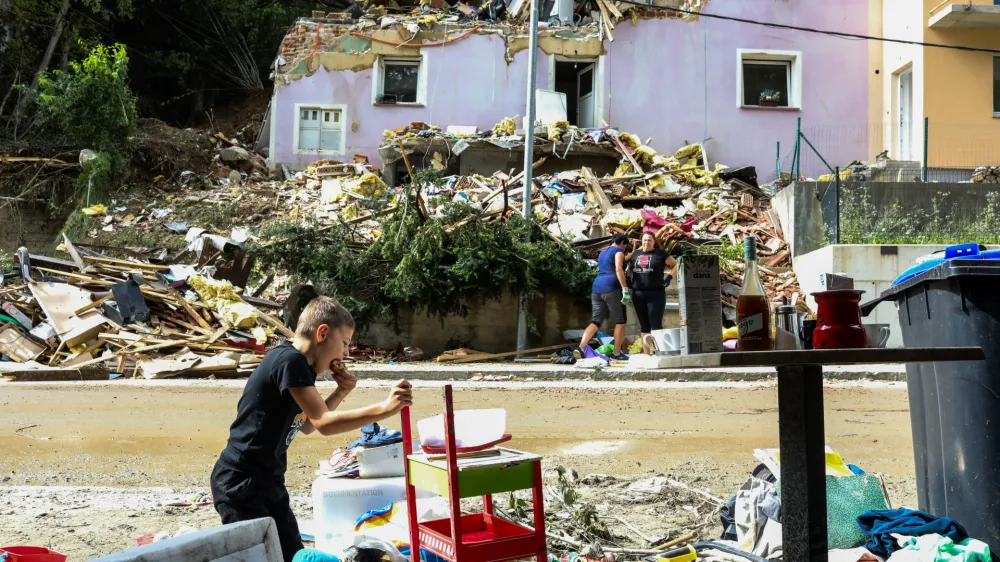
[(142, 443)]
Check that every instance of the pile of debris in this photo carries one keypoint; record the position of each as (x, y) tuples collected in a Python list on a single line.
[(687, 204), (986, 174), (97, 315)]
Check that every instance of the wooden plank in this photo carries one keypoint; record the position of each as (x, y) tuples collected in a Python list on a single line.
[(627, 154), (84, 268), (93, 305), (603, 7), (51, 375), (488, 356), (606, 22), (126, 263), (599, 195), (824, 357), (275, 324), (191, 312), (614, 11)]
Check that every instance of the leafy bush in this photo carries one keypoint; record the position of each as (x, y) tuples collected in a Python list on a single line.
[(436, 266), (91, 106)]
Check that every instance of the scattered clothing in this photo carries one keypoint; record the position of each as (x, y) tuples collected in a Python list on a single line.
[(756, 532), (607, 273), (851, 555), (879, 526), (565, 357), (343, 463), (727, 515), (935, 548), (846, 498), (374, 435), (313, 555)]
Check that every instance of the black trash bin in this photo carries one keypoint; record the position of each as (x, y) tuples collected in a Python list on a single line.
[(955, 407)]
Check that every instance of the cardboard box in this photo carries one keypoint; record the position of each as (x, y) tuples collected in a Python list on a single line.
[(835, 282), (700, 291), (381, 462)]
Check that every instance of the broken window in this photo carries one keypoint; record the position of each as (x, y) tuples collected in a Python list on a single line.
[(766, 83), (321, 129), (400, 80)]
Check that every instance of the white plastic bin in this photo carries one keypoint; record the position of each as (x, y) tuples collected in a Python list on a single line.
[(472, 428)]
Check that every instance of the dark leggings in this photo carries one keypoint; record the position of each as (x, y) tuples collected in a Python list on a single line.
[(649, 305)]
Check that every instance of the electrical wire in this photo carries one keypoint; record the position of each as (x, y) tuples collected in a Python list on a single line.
[(838, 34)]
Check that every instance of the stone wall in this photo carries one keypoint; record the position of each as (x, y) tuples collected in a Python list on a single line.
[(29, 225), (492, 326)]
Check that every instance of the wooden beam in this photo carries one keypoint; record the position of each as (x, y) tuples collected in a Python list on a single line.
[(93, 305), (488, 356)]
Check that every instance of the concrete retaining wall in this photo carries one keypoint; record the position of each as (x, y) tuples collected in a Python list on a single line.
[(491, 326)]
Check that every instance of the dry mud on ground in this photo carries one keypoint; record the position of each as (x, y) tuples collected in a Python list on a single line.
[(97, 462)]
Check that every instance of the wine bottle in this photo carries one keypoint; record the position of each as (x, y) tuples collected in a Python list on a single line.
[(753, 311)]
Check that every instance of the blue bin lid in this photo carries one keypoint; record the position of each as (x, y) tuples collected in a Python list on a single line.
[(963, 251)]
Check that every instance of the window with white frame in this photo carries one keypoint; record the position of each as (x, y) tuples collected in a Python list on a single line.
[(320, 129), (769, 79), (400, 80)]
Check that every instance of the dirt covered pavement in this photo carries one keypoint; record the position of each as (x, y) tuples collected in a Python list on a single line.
[(85, 468)]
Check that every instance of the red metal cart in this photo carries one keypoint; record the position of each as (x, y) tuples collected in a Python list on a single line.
[(477, 537)]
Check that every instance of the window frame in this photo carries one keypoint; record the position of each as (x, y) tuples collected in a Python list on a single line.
[(378, 77), (996, 85), (793, 60), (296, 130)]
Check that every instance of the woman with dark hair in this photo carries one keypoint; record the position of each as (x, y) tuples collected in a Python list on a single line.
[(648, 268), (609, 295)]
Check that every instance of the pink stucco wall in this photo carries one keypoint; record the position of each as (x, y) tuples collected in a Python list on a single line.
[(671, 80)]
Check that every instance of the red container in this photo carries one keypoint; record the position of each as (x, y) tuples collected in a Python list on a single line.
[(30, 554), (838, 321)]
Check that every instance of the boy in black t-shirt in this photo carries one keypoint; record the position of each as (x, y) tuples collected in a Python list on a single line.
[(279, 401)]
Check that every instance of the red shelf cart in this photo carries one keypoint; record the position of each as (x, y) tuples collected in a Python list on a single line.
[(476, 537)]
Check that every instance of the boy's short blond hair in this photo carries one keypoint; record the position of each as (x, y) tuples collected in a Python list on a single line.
[(323, 310)]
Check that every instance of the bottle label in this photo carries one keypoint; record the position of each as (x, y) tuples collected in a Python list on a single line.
[(750, 324)]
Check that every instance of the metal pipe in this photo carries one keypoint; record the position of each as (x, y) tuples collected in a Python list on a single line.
[(926, 128), (798, 148), (777, 162), (529, 159), (837, 175)]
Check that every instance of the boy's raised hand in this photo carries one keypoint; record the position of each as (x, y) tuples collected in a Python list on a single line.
[(344, 379), (400, 397)]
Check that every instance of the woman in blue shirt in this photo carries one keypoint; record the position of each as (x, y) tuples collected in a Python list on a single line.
[(609, 295)]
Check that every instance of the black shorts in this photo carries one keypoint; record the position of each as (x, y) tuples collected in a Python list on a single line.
[(239, 496), (603, 304)]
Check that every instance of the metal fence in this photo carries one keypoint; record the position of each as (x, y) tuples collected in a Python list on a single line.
[(935, 151)]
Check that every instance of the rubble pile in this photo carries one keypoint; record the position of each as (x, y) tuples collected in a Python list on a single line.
[(687, 204), (986, 174)]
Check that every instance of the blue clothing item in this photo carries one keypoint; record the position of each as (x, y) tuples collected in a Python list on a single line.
[(374, 435), (313, 555), (880, 525), (607, 278)]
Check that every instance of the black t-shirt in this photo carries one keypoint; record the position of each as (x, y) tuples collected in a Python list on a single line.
[(648, 269), (267, 417)]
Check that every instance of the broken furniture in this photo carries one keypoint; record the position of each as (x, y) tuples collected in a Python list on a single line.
[(800, 426), (476, 537)]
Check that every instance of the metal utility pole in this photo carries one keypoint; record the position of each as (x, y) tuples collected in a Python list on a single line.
[(529, 159)]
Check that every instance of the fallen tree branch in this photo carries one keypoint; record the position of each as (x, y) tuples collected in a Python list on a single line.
[(20, 429)]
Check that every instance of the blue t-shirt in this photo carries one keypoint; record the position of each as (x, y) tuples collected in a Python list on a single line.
[(607, 279)]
